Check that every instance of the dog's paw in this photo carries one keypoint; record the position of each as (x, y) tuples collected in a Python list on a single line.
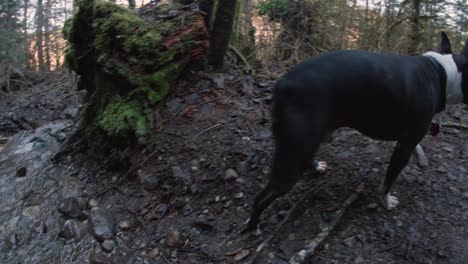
[(320, 166), (390, 202)]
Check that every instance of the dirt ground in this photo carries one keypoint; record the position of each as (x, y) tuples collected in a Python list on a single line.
[(195, 187)]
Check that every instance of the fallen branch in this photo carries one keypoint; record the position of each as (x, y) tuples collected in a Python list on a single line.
[(310, 248), (283, 222), (241, 57)]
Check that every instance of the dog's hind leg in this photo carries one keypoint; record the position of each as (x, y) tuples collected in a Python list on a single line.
[(297, 138), (420, 156)]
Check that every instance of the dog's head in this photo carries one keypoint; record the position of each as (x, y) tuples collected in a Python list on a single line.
[(461, 61)]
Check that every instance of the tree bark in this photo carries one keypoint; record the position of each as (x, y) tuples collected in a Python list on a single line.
[(25, 34), (131, 4), (221, 33), (47, 11), (415, 34)]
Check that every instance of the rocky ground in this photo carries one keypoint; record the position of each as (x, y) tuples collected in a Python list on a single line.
[(194, 189)]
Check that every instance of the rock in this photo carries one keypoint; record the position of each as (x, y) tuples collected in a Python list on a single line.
[(92, 203), (465, 194), (203, 225), (71, 112), (218, 80), (21, 172), (371, 148), (174, 239), (32, 212), (153, 253), (108, 245), (70, 209), (60, 137), (73, 229), (101, 224), (124, 225), (372, 206), (349, 241), (230, 175), (241, 255), (97, 258), (151, 182), (239, 195), (179, 203), (227, 204)]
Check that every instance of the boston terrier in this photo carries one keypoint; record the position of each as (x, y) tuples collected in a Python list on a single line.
[(383, 96)]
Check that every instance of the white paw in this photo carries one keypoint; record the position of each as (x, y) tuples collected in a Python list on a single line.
[(321, 166), (390, 202)]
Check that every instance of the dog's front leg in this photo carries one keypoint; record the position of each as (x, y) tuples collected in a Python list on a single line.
[(400, 157)]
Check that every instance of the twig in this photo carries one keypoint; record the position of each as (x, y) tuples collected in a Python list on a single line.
[(156, 226), (208, 129), (456, 125), (237, 52), (283, 222), (310, 248)]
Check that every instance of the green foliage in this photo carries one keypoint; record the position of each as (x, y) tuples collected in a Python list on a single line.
[(274, 9)]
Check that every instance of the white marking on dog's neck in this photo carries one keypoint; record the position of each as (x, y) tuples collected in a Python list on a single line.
[(453, 90)]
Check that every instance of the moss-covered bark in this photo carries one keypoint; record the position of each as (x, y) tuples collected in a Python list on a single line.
[(126, 61)]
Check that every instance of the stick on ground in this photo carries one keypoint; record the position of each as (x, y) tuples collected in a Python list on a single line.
[(310, 248), (280, 225)]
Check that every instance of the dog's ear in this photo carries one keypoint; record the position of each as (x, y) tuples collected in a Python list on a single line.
[(465, 50), (444, 46)]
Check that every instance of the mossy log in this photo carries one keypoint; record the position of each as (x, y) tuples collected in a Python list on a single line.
[(126, 60)]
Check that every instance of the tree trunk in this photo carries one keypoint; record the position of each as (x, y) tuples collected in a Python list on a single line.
[(415, 34), (221, 33), (39, 35), (47, 11), (206, 6), (25, 34), (131, 4)]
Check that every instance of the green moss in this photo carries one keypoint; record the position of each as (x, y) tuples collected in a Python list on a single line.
[(127, 65), (124, 119)]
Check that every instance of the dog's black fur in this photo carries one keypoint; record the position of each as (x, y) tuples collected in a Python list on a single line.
[(387, 97)]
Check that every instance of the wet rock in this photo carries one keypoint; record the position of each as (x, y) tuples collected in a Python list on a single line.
[(241, 255), (21, 172), (174, 239), (71, 113), (151, 182), (101, 224), (31, 212), (70, 209), (154, 253), (230, 175), (108, 245), (97, 258), (73, 229)]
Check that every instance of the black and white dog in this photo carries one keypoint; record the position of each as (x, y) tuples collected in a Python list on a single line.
[(387, 97)]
